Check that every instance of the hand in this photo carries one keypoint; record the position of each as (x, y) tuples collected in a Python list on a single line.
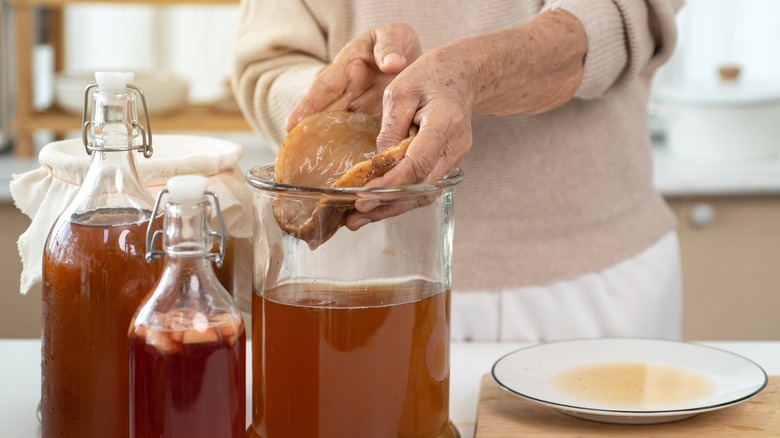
[(357, 78), (436, 93), (529, 69)]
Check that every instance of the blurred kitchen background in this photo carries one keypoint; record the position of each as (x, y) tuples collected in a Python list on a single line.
[(724, 187)]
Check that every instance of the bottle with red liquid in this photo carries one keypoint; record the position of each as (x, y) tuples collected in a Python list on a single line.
[(95, 273), (187, 340)]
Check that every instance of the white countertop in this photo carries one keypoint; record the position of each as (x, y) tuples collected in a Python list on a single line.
[(672, 175), (20, 379)]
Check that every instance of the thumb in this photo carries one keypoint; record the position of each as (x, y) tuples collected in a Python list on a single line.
[(395, 46)]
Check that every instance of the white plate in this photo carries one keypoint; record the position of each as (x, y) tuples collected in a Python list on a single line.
[(716, 378)]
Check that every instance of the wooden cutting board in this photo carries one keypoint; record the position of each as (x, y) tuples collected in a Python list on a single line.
[(501, 414)]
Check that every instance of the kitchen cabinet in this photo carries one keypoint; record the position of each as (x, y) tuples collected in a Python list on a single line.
[(730, 249), (27, 120), (20, 315)]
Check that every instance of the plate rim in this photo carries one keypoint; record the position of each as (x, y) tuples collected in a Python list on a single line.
[(627, 412)]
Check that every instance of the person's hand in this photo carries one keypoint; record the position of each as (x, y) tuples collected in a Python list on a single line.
[(436, 92), (357, 78), (529, 69)]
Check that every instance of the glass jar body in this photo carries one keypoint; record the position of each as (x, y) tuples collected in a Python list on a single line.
[(352, 338)]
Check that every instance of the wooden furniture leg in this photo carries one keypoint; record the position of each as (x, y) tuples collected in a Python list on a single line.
[(22, 129), (57, 37)]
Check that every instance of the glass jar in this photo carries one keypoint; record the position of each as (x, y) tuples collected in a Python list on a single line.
[(95, 272), (187, 340), (351, 339)]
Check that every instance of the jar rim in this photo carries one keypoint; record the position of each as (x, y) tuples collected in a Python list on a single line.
[(261, 177)]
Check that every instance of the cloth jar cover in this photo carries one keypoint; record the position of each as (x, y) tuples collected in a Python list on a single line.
[(43, 193)]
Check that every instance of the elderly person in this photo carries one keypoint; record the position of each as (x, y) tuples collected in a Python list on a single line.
[(560, 232)]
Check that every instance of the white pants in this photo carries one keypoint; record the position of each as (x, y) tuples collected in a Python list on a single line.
[(639, 297)]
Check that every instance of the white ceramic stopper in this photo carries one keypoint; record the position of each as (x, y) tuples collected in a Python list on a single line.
[(187, 188), (113, 80)]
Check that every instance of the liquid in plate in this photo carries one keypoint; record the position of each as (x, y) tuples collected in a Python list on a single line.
[(634, 385)]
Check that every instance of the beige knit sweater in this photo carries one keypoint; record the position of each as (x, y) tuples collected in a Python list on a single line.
[(547, 197)]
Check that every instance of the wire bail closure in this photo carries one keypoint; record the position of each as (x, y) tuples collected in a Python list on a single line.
[(146, 134), (152, 236)]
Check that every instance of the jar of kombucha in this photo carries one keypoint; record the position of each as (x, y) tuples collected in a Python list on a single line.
[(352, 338), (95, 273), (187, 341)]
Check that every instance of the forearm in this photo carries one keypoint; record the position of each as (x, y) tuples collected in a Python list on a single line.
[(529, 69)]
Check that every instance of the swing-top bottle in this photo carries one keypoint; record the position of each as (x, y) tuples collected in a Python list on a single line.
[(95, 273), (188, 342)]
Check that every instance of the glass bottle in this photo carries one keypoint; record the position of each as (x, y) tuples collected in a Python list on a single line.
[(187, 340), (95, 273)]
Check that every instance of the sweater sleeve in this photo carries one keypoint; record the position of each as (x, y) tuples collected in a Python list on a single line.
[(280, 47), (625, 39)]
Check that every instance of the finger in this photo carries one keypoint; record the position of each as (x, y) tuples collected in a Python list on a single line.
[(398, 110), (390, 208), (327, 88), (422, 156), (357, 220), (368, 103), (456, 145), (444, 141), (395, 46), (340, 104), (440, 147)]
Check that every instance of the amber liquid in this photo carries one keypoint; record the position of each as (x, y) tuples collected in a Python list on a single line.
[(94, 277), (342, 363), (188, 384), (634, 385)]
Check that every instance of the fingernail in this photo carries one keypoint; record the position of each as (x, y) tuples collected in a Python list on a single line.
[(390, 57)]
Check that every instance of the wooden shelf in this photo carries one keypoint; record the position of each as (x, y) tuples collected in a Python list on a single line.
[(26, 120), (189, 118)]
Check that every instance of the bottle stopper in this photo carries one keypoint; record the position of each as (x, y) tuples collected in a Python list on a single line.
[(187, 188), (113, 80)]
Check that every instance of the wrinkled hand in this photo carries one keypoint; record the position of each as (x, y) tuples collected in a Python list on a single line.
[(382, 72), (358, 76), (436, 92)]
